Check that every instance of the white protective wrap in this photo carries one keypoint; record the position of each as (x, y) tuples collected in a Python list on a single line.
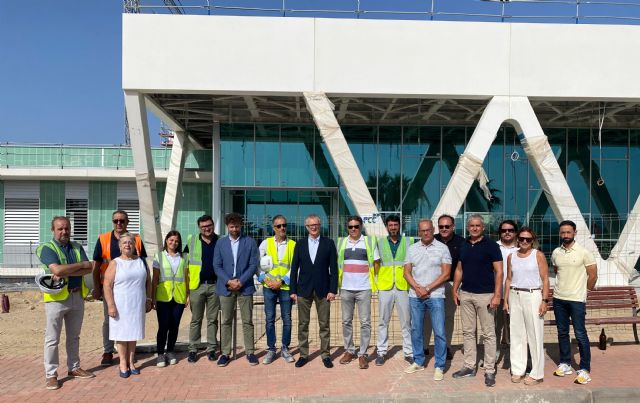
[(322, 111), (179, 150)]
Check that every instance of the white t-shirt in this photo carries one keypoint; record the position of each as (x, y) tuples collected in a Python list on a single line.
[(355, 271)]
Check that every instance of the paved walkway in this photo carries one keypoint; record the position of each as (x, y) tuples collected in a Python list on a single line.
[(615, 378)]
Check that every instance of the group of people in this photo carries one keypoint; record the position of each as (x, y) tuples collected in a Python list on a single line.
[(424, 279)]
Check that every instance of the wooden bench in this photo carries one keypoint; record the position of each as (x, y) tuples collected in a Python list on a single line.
[(603, 298)]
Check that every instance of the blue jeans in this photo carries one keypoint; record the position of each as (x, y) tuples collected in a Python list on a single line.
[(435, 306), (576, 312), (271, 298)]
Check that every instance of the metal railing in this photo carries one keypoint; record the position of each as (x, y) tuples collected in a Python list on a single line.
[(552, 11)]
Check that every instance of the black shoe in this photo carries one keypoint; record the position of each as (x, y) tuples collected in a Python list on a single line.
[(212, 356), (327, 362), (380, 360), (223, 361), (490, 380), (426, 351), (107, 360), (449, 354), (301, 362), (253, 360), (193, 357), (408, 359), (464, 373)]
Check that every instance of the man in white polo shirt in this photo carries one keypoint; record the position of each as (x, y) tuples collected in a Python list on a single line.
[(358, 260), (426, 269)]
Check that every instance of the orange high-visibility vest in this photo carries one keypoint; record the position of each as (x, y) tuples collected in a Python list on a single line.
[(105, 243)]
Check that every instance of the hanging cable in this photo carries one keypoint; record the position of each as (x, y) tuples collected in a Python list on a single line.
[(601, 117)]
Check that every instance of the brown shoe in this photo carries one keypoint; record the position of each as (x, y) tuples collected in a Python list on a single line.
[(362, 362), (347, 358), (81, 373), (529, 381), (517, 378), (52, 383)]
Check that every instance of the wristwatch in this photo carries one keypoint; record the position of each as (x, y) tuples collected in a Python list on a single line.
[(546, 301), (428, 289)]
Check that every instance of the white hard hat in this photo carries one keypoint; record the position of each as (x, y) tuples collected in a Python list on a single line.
[(266, 263), (48, 285)]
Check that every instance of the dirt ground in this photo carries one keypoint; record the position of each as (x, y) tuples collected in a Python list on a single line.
[(22, 329)]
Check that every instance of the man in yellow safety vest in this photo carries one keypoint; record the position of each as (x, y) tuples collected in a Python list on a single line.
[(275, 287), (358, 259), (393, 289), (64, 259), (202, 288)]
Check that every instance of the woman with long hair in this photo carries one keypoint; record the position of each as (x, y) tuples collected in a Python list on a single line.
[(526, 291), (170, 295)]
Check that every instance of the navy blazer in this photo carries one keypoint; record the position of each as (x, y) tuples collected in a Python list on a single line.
[(245, 269), (320, 276)]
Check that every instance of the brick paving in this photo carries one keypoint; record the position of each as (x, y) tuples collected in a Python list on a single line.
[(22, 379)]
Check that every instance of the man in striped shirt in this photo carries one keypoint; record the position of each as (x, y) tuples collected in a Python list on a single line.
[(357, 259)]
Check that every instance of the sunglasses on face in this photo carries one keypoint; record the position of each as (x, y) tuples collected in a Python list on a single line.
[(505, 230), (524, 239), (354, 227), (119, 221), (278, 226), (444, 226)]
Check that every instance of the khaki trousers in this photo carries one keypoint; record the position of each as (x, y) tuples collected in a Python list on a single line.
[(227, 306), (71, 311), (475, 307)]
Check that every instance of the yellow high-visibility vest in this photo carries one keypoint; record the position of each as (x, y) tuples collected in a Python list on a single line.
[(64, 294), (392, 269), (170, 285), (280, 267)]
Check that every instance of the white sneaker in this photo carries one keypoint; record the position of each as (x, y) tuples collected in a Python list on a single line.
[(171, 359), (161, 361), (438, 375), (583, 377), (563, 369), (413, 368)]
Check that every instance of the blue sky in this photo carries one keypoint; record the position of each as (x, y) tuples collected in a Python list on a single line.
[(60, 61)]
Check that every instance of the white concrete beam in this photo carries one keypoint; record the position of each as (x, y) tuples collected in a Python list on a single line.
[(143, 167), (322, 111), (216, 191), (179, 152)]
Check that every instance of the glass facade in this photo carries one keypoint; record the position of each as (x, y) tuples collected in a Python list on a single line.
[(268, 169)]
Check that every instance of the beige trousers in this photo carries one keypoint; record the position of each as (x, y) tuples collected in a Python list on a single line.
[(475, 307)]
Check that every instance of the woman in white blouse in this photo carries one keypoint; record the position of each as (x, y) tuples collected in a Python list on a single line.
[(526, 291), (170, 295)]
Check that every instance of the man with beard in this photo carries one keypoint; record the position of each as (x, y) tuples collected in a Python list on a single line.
[(576, 272), (393, 288)]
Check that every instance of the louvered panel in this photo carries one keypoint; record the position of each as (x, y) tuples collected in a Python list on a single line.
[(132, 207)]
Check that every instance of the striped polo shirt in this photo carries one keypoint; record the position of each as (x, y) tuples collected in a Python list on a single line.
[(355, 272)]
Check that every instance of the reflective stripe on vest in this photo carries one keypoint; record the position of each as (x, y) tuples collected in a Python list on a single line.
[(64, 294), (195, 260), (369, 243), (105, 244), (280, 268), (170, 285), (391, 271)]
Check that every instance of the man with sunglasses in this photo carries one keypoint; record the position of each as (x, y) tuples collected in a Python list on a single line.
[(275, 288), (447, 235), (508, 245), (202, 288), (358, 260), (107, 249)]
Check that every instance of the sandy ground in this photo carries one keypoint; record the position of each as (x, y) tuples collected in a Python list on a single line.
[(22, 329)]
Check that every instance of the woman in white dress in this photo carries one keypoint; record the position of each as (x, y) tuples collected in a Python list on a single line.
[(526, 291), (127, 291)]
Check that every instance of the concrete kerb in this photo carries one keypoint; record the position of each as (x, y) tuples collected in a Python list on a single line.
[(508, 396)]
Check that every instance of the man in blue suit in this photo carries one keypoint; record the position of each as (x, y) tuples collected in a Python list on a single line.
[(235, 261), (314, 279)]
